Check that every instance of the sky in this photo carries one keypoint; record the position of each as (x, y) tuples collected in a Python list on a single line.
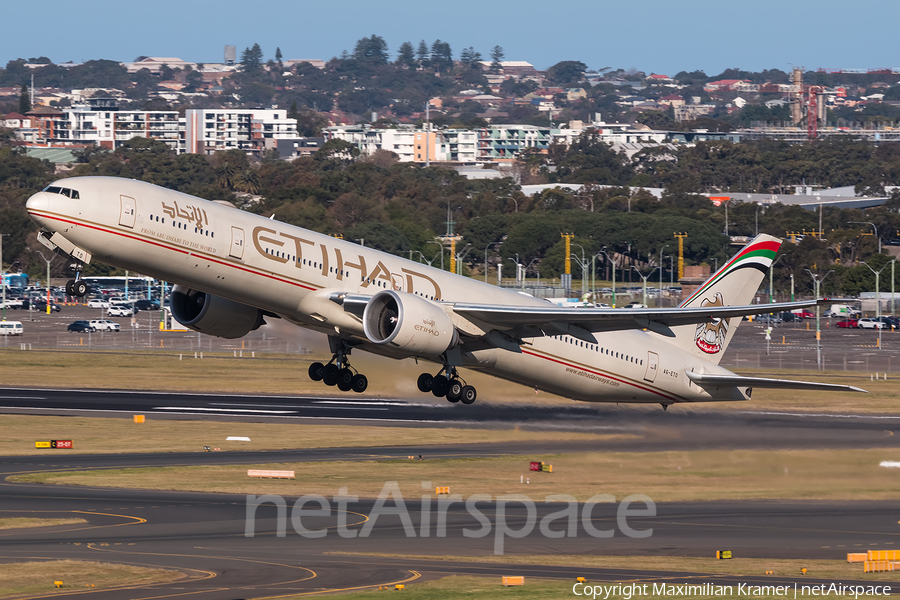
[(654, 36)]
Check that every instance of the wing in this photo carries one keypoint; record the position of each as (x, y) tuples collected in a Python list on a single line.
[(706, 380), (553, 320)]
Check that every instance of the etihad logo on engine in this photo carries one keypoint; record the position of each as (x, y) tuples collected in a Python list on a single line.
[(710, 336), (428, 326), (332, 261)]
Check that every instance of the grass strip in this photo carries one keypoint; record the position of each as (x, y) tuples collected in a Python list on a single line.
[(29, 522), (663, 476), (107, 435), (20, 578)]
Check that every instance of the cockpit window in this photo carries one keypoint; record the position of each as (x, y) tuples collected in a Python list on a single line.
[(52, 189)]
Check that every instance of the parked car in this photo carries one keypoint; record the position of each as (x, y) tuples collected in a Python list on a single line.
[(805, 314), (104, 325), (889, 322), (119, 311), (767, 318), (80, 327), (870, 323), (789, 317), (11, 328), (42, 305), (98, 303), (847, 323), (146, 305)]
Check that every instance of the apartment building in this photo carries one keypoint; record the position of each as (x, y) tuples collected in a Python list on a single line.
[(254, 131), (411, 145), (99, 123)]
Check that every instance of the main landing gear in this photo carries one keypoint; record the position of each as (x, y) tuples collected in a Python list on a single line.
[(76, 287), (338, 370), (447, 383)]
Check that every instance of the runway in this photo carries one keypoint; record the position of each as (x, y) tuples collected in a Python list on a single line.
[(204, 535), (680, 428)]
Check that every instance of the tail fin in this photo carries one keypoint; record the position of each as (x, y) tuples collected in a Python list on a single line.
[(735, 284)]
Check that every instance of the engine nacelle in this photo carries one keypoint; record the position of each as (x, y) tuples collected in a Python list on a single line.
[(213, 315), (408, 323)]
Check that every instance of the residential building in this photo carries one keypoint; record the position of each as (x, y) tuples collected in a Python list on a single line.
[(254, 131)]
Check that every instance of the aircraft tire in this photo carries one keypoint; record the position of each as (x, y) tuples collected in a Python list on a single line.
[(345, 379), (425, 382), (69, 285), (468, 394), (454, 392), (317, 371), (330, 377), (360, 383), (80, 289), (440, 386)]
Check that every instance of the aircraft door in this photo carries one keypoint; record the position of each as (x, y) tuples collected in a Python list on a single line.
[(127, 211), (652, 366), (237, 243)]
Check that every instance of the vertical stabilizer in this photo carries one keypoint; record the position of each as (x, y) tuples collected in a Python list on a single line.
[(735, 284)]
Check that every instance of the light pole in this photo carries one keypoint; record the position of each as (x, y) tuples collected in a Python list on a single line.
[(877, 298), (771, 280), (485, 257), (460, 256), (583, 263), (873, 227), (518, 267), (421, 257), (603, 252), (38, 252), (659, 298), (525, 270), (442, 250), (817, 283), (644, 302), (3, 277)]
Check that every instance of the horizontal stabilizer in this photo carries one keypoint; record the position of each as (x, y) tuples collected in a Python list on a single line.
[(704, 379)]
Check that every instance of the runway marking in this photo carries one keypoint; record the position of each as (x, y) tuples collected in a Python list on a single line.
[(415, 575), (23, 397), (832, 415), (373, 402), (242, 410)]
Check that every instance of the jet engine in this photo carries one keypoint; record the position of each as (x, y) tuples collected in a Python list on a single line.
[(408, 323), (213, 315)]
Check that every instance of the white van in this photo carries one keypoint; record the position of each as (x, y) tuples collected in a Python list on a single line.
[(11, 328)]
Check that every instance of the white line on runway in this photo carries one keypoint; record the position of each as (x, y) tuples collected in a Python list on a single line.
[(833, 416), (360, 402), (22, 398), (240, 410)]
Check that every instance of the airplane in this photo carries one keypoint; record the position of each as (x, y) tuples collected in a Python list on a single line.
[(232, 270)]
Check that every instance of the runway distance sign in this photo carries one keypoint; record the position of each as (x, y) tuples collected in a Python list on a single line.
[(67, 444)]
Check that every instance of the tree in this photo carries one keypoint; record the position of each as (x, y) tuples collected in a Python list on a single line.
[(247, 181), (441, 56), (278, 56), (372, 50), (406, 56), (567, 72), (422, 54), (497, 57), (24, 101), (470, 58), (251, 59)]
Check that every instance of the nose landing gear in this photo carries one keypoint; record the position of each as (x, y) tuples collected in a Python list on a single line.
[(338, 370), (447, 383), (76, 287)]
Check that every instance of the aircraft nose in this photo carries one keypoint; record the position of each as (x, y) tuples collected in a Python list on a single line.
[(38, 202)]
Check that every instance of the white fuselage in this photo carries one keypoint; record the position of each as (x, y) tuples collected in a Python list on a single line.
[(291, 271)]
